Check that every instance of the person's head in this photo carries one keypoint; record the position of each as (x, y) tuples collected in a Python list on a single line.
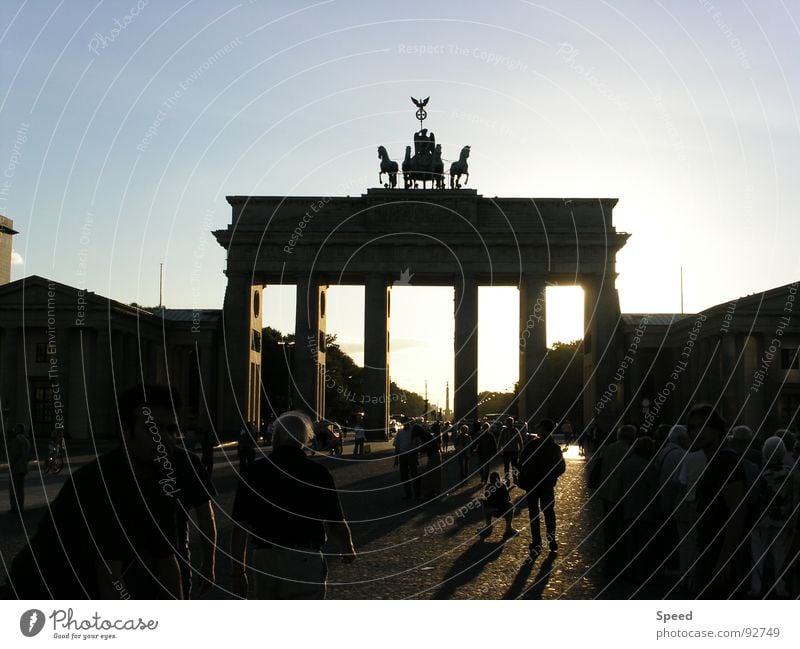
[(773, 451), (148, 421), (494, 477), (294, 429), (545, 427), (417, 430), (627, 433), (706, 427), (19, 429), (509, 421), (660, 436), (678, 435), (789, 438), (485, 426), (643, 447), (740, 438), (463, 429)]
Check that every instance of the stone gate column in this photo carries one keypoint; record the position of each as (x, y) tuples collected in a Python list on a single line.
[(465, 400), (377, 295), (601, 317), (241, 318), (308, 353), (532, 349)]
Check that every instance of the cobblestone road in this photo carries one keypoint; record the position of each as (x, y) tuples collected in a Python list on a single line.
[(408, 549)]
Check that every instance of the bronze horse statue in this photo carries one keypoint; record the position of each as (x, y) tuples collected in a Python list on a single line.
[(388, 167), (459, 168)]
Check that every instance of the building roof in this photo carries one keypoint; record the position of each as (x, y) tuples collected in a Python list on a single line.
[(170, 315), (5, 225), (658, 319), (187, 315)]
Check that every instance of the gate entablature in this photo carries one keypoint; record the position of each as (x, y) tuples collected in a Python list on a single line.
[(440, 232)]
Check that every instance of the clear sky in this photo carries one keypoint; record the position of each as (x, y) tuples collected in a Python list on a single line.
[(125, 123)]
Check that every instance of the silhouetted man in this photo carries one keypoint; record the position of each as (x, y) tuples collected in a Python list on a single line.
[(286, 503), (541, 464), (485, 449), (19, 455), (111, 531)]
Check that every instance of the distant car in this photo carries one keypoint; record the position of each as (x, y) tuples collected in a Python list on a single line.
[(328, 437)]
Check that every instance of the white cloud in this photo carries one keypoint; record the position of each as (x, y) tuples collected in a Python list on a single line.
[(16, 259)]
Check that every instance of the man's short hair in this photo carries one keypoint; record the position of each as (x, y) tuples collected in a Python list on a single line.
[(627, 433), (145, 395), (546, 426), (292, 428), (711, 418)]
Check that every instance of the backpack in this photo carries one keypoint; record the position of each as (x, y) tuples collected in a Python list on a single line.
[(752, 473), (541, 461)]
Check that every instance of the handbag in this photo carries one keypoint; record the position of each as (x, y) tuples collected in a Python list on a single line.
[(367, 449)]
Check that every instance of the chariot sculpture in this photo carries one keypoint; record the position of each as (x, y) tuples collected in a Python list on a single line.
[(426, 165)]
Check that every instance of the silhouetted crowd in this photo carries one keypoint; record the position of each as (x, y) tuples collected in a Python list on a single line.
[(714, 508), (707, 510)]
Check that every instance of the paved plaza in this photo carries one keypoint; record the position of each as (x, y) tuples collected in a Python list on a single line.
[(410, 549)]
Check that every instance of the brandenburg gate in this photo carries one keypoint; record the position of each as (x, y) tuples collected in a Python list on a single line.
[(444, 237)]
